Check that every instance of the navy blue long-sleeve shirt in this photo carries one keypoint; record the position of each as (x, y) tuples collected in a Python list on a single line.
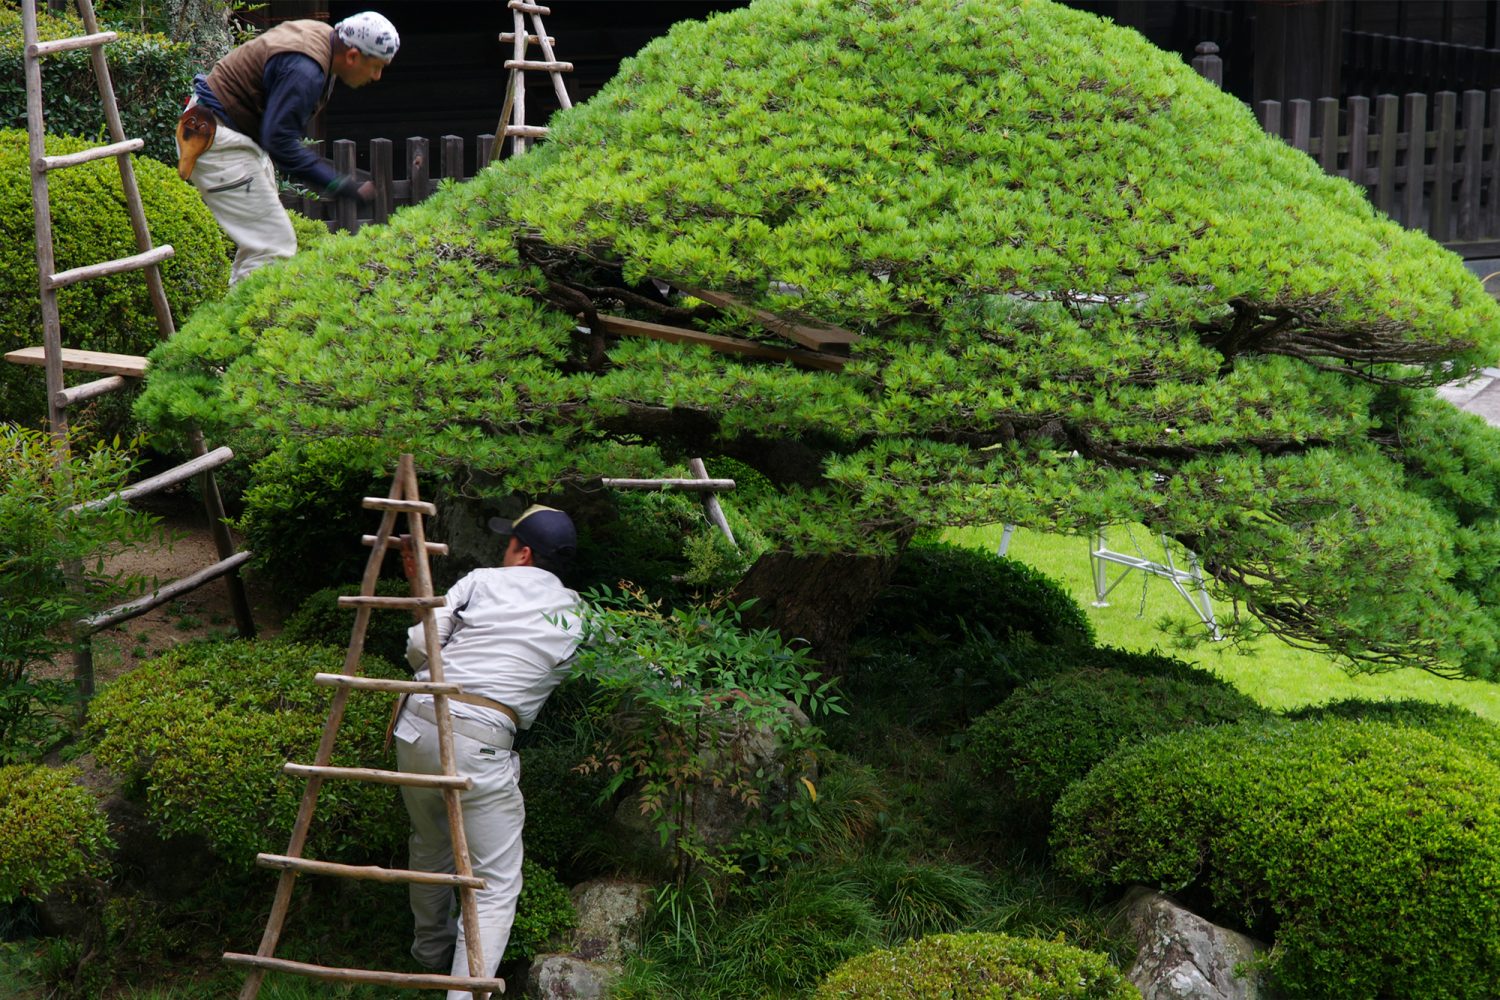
[(294, 85)]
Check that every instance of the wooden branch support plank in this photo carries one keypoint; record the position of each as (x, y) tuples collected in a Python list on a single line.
[(685, 485), (135, 262), (74, 360), (155, 484), (815, 336), (621, 327), (401, 979), (89, 155), (385, 684), (379, 776), (368, 873), (711, 502), (171, 591), (42, 49)]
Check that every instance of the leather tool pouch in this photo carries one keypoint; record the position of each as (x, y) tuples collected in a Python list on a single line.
[(195, 134)]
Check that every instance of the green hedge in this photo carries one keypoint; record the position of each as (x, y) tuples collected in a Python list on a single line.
[(1051, 732), (1371, 851), (988, 966), (1448, 721), (543, 913), (51, 830), (321, 622), (943, 592), (201, 733), (152, 77), (90, 225)]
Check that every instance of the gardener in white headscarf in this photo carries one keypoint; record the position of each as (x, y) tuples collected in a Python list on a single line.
[(251, 112)]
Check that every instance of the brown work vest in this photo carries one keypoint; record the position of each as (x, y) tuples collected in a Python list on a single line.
[(237, 80)]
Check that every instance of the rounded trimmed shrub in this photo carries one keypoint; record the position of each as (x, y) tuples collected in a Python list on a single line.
[(321, 622), (988, 966), (1053, 731), (1451, 722), (51, 830), (1370, 852), (201, 733), (543, 913), (90, 225), (942, 591)]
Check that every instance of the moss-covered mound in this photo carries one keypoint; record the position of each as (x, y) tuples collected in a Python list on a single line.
[(1089, 288)]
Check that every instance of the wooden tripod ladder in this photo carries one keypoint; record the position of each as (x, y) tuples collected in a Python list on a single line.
[(116, 368), (403, 499), (513, 114)]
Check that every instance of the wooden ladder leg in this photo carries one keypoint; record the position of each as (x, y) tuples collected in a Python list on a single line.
[(213, 506)]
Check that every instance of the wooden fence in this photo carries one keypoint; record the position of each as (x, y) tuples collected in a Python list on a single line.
[(1446, 181), (1430, 163)]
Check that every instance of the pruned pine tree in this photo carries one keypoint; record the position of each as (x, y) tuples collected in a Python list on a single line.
[(1088, 288)]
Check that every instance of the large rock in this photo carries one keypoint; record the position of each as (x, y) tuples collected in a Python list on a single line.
[(567, 977), (1181, 956), (611, 914)]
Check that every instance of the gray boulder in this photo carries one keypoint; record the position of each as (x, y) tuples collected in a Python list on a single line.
[(566, 977), (611, 915), (1181, 956)]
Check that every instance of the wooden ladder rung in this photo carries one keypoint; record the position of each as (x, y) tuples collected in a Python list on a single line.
[(163, 594), (73, 395), (527, 131), (38, 49), (377, 601), (539, 64), (436, 548), (510, 36), (75, 360), (403, 506), (529, 8), (379, 777), (386, 684), (155, 484), (134, 262), (428, 981), (369, 873), (89, 155)]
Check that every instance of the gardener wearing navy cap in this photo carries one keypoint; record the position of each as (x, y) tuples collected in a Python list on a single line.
[(507, 635), (251, 111)]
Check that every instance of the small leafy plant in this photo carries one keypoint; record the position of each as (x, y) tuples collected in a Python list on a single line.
[(687, 699)]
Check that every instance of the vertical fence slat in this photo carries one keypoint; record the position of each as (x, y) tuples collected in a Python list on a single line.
[(1328, 125), (1269, 113), (382, 172), (1492, 216), (418, 166), (1359, 141), (345, 210), (1386, 109), (1442, 165), (453, 157), (1416, 159), (485, 144), (311, 206), (1299, 124), (1468, 185)]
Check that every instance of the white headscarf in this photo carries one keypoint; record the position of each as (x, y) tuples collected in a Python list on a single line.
[(370, 33)]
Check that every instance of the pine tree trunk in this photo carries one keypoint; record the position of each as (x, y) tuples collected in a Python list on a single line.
[(816, 598)]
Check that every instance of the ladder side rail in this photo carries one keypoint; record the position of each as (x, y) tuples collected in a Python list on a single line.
[(422, 587), (213, 503), (57, 417), (283, 897), (155, 287), (518, 104), (551, 57)]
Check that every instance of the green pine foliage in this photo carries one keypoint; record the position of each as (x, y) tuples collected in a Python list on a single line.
[(1090, 290), (152, 76), (977, 965), (90, 225), (1369, 850), (51, 830), (201, 732), (1051, 732)]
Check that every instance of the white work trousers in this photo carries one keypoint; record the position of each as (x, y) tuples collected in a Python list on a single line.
[(238, 184), (493, 817)]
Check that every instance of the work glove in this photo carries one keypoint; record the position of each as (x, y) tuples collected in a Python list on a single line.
[(351, 188)]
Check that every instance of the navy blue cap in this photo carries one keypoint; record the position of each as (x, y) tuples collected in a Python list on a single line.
[(546, 531)]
